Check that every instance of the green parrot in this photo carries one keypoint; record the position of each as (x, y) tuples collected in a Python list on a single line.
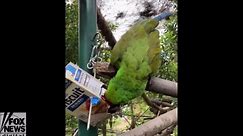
[(137, 57)]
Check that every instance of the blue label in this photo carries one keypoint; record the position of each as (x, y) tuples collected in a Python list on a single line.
[(95, 101), (77, 77), (78, 102), (71, 69)]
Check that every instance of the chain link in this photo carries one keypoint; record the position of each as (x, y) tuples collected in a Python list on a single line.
[(96, 49)]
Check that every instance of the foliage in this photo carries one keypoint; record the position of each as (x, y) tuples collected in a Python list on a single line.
[(112, 26), (71, 33), (168, 69), (71, 52), (71, 124), (175, 132)]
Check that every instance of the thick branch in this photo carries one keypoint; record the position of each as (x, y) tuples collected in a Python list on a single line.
[(103, 128), (104, 69), (153, 105), (166, 99), (168, 131), (155, 125), (164, 104), (104, 29), (133, 122), (162, 86)]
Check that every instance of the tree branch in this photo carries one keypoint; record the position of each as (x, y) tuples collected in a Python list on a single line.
[(164, 104), (168, 131), (104, 29), (155, 125), (133, 122), (153, 105), (141, 115), (104, 69), (103, 128), (144, 116), (168, 100), (162, 86)]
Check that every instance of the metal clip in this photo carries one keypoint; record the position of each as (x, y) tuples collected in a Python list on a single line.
[(94, 57)]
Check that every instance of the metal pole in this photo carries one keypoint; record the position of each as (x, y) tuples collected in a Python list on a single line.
[(87, 30)]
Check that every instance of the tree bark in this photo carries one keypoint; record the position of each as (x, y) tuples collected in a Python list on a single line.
[(133, 122), (155, 125), (164, 104), (168, 131), (103, 128), (104, 29), (153, 105), (162, 86)]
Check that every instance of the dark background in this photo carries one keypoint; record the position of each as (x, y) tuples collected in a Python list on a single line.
[(32, 66)]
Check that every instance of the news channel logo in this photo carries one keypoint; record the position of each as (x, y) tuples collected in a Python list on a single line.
[(12, 124)]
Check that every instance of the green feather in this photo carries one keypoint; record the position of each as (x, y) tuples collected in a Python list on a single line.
[(136, 55)]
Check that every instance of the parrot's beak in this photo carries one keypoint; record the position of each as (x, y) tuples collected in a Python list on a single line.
[(112, 108)]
